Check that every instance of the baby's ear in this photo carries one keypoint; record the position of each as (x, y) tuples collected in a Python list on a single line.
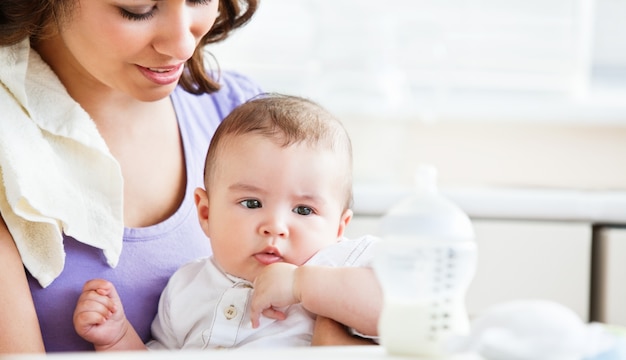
[(201, 199), (343, 223)]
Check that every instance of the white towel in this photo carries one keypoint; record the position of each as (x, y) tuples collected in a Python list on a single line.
[(57, 173)]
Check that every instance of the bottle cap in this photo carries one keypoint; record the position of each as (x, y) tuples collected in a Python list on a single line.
[(427, 213)]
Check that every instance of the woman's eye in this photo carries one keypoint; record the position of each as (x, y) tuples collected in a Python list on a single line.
[(147, 12), (144, 13), (251, 203), (303, 210)]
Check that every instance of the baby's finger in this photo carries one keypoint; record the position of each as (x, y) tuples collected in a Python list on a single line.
[(94, 301), (274, 314), (105, 290), (99, 304), (254, 316), (98, 284), (89, 315), (269, 313)]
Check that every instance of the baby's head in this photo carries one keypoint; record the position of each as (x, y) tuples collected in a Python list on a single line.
[(285, 120), (278, 179)]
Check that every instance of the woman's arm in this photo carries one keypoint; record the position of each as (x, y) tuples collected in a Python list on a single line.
[(328, 332), (18, 320)]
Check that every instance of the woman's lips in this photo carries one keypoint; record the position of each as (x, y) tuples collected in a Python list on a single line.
[(162, 75)]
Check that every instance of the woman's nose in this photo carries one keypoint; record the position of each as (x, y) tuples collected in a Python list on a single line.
[(176, 37)]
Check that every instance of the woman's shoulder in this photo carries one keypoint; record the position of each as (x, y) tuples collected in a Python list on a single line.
[(237, 86), (235, 89), (200, 115)]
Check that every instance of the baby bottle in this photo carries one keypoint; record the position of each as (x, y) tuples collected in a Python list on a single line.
[(425, 263)]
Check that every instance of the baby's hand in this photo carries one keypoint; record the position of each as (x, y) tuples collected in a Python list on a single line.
[(273, 288), (99, 316)]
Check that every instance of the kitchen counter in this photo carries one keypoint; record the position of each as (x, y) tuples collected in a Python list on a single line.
[(302, 353)]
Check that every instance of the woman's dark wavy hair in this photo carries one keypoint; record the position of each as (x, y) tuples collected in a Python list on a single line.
[(37, 19)]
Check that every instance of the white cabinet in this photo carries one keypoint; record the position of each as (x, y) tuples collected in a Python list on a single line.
[(524, 259), (610, 275), (532, 259)]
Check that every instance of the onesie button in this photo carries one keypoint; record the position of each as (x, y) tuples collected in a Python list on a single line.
[(230, 312)]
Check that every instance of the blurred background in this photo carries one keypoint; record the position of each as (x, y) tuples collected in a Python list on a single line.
[(519, 104), (493, 92)]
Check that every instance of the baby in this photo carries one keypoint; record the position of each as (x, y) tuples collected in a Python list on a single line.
[(278, 180)]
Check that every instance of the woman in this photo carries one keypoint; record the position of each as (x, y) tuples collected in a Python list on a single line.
[(135, 70)]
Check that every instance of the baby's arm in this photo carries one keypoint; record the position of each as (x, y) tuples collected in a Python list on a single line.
[(348, 295), (99, 318)]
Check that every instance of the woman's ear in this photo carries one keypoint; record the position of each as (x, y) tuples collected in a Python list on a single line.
[(345, 220), (201, 198)]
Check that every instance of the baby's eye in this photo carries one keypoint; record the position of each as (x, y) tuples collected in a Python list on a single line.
[(303, 210), (251, 203)]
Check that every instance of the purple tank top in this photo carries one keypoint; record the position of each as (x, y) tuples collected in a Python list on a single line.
[(150, 255)]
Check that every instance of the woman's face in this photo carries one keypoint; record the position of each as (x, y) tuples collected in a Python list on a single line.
[(138, 47)]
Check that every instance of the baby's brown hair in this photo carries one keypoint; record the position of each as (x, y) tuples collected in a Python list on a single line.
[(286, 120)]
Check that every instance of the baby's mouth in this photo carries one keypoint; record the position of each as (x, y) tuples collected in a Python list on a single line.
[(268, 256)]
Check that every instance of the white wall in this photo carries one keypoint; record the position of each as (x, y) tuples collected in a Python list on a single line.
[(584, 157)]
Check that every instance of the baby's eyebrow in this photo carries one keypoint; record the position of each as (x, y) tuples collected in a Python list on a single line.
[(244, 187), (312, 198)]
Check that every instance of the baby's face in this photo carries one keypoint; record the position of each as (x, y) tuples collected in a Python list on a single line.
[(269, 203)]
